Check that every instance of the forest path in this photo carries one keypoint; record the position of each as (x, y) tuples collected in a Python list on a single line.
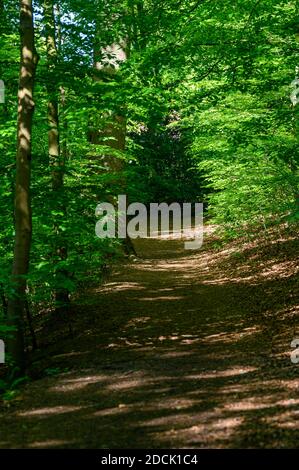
[(177, 349)]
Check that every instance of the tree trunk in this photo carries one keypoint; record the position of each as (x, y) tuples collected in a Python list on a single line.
[(23, 217), (114, 134), (107, 61), (53, 120), (56, 157)]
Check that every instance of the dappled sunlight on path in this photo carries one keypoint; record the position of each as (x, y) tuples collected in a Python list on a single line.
[(177, 349)]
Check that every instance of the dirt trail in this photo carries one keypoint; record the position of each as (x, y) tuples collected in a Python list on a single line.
[(177, 349)]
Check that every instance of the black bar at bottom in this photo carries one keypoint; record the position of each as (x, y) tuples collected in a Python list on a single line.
[(136, 458)]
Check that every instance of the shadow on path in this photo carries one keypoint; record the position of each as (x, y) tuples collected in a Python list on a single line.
[(178, 349)]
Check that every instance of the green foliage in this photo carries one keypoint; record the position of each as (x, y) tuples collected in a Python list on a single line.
[(244, 128), (205, 91), (10, 389)]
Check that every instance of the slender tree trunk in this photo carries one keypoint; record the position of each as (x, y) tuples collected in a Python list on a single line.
[(23, 217), (107, 60), (56, 157)]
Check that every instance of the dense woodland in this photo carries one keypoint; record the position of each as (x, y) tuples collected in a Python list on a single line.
[(186, 101)]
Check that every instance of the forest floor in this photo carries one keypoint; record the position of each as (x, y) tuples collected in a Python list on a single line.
[(178, 349)]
